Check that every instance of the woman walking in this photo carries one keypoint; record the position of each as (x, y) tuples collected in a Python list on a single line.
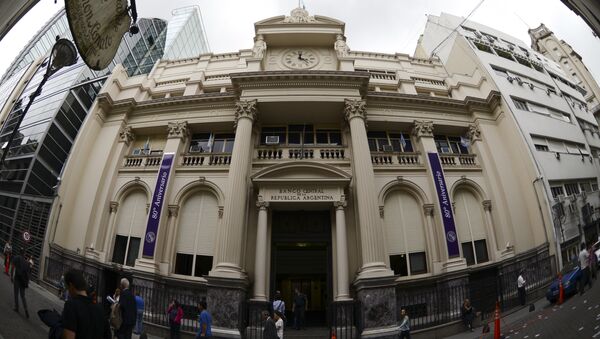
[(175, 314), (404, 325)]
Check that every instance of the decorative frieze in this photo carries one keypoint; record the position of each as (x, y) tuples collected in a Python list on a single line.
[(177, 129), (126, 135), (355, 108), (423, 128)]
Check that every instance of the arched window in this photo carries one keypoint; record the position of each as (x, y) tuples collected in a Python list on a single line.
[(131, 223), (196, 233), (470, 225), (405, 232)]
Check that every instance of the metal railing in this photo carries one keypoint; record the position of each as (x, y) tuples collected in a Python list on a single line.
[(344, 320), (54, 270)]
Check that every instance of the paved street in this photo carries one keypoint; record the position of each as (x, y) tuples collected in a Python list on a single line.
[(578, 317)]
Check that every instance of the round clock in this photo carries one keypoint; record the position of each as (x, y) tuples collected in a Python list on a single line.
[(300, 59)]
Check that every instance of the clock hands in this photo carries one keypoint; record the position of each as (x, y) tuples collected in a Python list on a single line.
[(301, 58)]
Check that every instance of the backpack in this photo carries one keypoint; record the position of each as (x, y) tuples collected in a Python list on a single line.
[(116, 318)]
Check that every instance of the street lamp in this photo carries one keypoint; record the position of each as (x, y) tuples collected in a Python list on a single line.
[(63, 54)]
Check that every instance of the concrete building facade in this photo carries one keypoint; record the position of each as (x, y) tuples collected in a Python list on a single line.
[(368, 181)]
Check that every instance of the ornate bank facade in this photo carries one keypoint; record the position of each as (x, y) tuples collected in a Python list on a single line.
[(368, 181)]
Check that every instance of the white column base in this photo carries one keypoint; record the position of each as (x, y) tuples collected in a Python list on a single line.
[(506, 253), (227, 270), (90, 253), (374, 270), (454, 264), (146, 265)]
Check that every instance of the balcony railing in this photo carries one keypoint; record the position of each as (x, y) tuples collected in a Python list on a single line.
[(206, 159), (283, 152), (396, 158), (458, 160), (137, 161)]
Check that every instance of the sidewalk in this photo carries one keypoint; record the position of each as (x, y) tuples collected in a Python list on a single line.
[(520, 314)]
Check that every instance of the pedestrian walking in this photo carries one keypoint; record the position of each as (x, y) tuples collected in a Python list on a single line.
[(521, 288), (269, 330), (175, 314), (279, 324), (7, 256), (468, 314), (404, 325), (299, 306), (81, 318), (584, 258), (279, 305), (593, 263), (19, 275), (62, 288), (127, 305), (139, 320), (204, 322)]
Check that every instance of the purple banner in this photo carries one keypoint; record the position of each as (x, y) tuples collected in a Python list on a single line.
[(156, 206), (445, 205)]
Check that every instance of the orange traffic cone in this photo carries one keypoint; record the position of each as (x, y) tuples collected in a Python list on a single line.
[(497, 321), (561, 291)]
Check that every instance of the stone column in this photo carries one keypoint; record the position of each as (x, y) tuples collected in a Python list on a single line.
[(431, 233), (167, 257), (260, 263), (487, 208), (373, 256), (341, 241), (229, 241), (112, 220)]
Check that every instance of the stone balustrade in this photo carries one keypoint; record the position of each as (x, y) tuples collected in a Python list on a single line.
[(311, 153), (458, 160), (137, 161), (396, 158), (206, 159)]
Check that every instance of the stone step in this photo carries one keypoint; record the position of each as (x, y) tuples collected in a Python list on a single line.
[(310, 332)]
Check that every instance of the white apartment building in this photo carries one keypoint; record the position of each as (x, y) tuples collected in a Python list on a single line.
[(551, 109)]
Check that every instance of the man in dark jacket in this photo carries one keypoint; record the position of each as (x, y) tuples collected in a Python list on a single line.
[(270, 330), (19, 275), (128, 311)]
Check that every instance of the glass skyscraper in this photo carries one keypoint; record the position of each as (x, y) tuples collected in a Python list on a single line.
[(37, 154)]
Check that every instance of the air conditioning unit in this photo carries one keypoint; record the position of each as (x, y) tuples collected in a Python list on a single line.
[(557, 155), (137, 151), (530, 85), (477, 34), (510, 79), (519, 81), (548, 92), (387, 148), (272, 140)]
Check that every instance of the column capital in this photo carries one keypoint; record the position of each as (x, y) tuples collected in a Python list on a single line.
[(261, 204), (474, 132), (177, 130), (245, 109), (126, 135), (381, 211), (340, 205), (220, 212), (173, 211), (423, 128), (428, 210), (355, 108), (114, 206), (487, 205)]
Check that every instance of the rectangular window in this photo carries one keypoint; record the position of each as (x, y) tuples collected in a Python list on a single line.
[(542, 148), (120, 249), (557, 191), (585, 186), (377, 140), (223, 143), (418, 263), (398, 264), (183, 264), (200, 143), (133, 251), (401, 142), (500, 72), (520, 104), (594, 186), (572, 189), (203, 265), (481, 252), (273, 131), (467, 249)]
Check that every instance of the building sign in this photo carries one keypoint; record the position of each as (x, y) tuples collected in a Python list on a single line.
[(445, 205), (97, 28), (301, 193), (157, 203)]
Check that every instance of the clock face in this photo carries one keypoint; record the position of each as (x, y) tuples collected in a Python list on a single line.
[(300, 58)]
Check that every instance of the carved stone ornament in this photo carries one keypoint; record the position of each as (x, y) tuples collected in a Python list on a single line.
[(262, 204), (245, 109), (114, 206), (340, 46), (220, 212), (173, 211), (178, 129), (423, 128), (487, 205), (474, 132), (260, 46), (299, 15), (355, 108), (428, 210), (126, 135), (340, 204), (381, 211)]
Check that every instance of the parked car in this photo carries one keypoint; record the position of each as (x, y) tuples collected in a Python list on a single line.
[(570, 277)]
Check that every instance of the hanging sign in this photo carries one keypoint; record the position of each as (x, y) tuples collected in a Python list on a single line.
[(157, 203), (97, 28), (445, 205)]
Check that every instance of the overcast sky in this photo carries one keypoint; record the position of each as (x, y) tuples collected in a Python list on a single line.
[(387, 26)]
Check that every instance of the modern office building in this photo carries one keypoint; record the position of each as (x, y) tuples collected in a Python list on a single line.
[(32, 169), (551, 110), (368, 181)]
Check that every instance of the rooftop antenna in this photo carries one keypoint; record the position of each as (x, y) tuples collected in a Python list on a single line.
[(456, 28), (301, 4), (523, 21)]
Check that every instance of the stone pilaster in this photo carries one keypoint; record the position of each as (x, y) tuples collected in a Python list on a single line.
[(169, 248), (112, 219), (229, 242), (341, 241), (431, 233), (373, 256)]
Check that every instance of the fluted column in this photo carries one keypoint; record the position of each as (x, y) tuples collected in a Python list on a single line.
[(341, 242), (112, 219), (229, 245), (260, 263), (373, 256)]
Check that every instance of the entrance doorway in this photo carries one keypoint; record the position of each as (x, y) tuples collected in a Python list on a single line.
[(301, 259)]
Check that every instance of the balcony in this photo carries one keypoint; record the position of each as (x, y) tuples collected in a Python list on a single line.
[(459, 161), (396, 158), (206, 160), (142, 161), (331, 153)]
